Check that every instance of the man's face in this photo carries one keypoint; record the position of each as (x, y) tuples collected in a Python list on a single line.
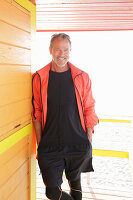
[(60, 52)]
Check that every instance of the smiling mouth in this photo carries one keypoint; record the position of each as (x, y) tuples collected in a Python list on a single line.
[(61, 58)]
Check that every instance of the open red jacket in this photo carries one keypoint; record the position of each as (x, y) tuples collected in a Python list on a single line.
[(85, 100)]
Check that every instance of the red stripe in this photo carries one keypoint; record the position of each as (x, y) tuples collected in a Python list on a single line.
[(73, 30)]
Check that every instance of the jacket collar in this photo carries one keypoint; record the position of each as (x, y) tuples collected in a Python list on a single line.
[(74, 70), (44, 72)]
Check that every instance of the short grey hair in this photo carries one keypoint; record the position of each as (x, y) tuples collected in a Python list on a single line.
[(61, 36)]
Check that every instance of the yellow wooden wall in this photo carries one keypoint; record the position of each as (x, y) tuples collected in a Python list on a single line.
[(15, 100)]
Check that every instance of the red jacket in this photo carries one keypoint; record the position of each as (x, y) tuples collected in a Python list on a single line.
[(85, 100)]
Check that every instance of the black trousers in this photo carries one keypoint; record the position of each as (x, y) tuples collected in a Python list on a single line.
[(56, 193), (52, 167)]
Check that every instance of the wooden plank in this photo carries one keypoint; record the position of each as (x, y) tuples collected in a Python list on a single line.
[(89, 192), (13, 111), (18, 6), (10, 153), (11, 93), (8, 169), (16, 137), (14, 55), (21, 190), (15, 16), (10, 1), (14, 126), (94, 193), (13, 35), (15, 99), (14, 181), (14, 74), (107, 192), (26, 194)]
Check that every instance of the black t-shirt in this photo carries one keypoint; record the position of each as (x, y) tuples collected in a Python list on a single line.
[(63, 131)]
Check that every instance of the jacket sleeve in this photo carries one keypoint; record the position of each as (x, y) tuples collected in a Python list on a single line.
[(91, 118), (36, 98)]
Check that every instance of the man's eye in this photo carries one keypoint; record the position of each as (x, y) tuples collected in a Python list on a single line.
[(57, 50), (65, 50)]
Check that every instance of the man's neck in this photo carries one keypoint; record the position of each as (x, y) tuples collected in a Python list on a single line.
[(56, 68)]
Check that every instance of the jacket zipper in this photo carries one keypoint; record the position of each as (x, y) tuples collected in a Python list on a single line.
[(41, 99), (33, 99), (80, 99)]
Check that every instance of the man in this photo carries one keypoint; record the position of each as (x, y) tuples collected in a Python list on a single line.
[(64, 119)]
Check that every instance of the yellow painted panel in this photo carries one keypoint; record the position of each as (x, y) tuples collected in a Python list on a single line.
[(115, 120), (11, 93), (109, 153), (19, 20), (13, 35), (27, 5), (11, 151), (16, 137), (14, 55), (11, 14), (14, 74), (12, 127), (32, 8), (14, 181), (20, 7)]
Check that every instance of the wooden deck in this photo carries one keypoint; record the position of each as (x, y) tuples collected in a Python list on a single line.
[(112, 179), (89, 192)]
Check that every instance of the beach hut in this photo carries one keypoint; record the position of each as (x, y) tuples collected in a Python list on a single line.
[(17, 57)]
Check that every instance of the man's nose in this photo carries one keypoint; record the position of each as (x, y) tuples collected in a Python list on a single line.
[(61, 53)]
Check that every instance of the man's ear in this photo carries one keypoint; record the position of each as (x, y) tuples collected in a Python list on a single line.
[(50, 50)]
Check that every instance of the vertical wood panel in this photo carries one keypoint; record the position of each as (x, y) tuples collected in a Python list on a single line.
[(10, 74), (21, 191), (14, 110), (8, 129), (8, 32), (14, 167), (10, 153), (14, 93), (15, 61), (15, 16), (10, 54), (14, 181), (11, 112), (10, 1), (15, 101)]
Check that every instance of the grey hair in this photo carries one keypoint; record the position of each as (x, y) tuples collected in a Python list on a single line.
[(61, 36)]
